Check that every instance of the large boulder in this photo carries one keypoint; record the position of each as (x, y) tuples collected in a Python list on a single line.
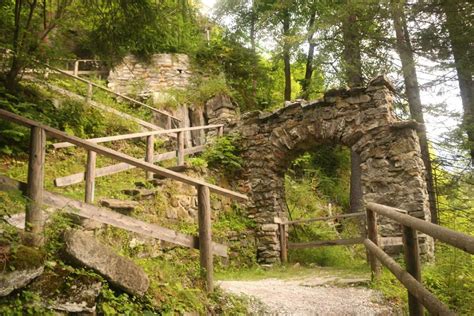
[(119, 271)]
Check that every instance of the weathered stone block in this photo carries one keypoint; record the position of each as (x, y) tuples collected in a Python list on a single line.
[(119, 271)]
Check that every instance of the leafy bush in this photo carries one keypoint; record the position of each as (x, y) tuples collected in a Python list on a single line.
[(223, 153)]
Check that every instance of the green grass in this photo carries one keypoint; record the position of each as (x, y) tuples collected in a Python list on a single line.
[(289, 272)]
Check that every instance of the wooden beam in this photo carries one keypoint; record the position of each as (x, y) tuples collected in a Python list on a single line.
[(431, 302), (283, 244), (180, 149), (115, 219), (317, 219), (320, 243), (205, 236), (90, 176), (449, 236), (373, 236), (121, 157), (34, 191), (413, 266), (113, 169), (137, 135), (149, 155)]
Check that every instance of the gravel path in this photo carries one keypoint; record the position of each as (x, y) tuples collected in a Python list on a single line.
[(309, 296)]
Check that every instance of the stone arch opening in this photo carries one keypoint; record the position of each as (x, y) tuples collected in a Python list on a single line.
[(361, 119)]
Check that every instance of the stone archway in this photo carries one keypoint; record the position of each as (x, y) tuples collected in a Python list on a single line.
[(362, 119)]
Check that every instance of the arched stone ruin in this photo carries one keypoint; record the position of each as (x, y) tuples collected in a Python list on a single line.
[(362, 119)]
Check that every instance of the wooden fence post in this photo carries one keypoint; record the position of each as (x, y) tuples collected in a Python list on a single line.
[(220, 131), (90, 176), (205, 237), (76, 68), (34, 190), (412, 261), (150, 148), (180, 153), (373, 236), (89, 93), (168, 123), (283, 243)]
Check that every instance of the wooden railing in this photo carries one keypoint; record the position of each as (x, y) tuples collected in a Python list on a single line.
[(171, 120), (35, 185), (283, 229), (418, 295), (92, 173)]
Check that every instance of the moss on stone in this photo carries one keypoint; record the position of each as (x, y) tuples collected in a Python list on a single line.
[(22, 257)]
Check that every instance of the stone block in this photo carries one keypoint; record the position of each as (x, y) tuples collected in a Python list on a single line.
[(119, 271)]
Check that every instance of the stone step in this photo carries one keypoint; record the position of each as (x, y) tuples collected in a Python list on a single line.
[(140, 194), (153, 182), (120, 205)]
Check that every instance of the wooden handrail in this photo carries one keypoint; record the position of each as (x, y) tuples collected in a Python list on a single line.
[(431, 302), (449, 236), (120, 156), (138, 135), (111, 91), (319, 219)]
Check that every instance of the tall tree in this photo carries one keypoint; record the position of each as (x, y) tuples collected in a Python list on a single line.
[(310, 57), (352, 63), (460, 27), (286, 51), (412, 90)]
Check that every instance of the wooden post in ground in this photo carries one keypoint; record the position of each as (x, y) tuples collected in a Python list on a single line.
[(89, 93), (34, 191), (373, 236), (90, 176), (180, 152), (150, 146), (412, 261), (205, 237), (283, 244), (169, 123), (220, 131), (76, 68)]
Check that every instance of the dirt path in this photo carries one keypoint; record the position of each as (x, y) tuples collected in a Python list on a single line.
[(311, 296)]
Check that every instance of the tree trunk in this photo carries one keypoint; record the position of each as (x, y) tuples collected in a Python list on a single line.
[(286, 54), (353, 72), (412, 90), (460, 43), (351, 54), (309, 59)]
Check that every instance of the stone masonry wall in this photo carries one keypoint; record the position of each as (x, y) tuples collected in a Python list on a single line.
[(362, 119), (162, 72)]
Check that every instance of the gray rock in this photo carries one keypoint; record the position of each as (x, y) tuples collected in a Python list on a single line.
[(119, 271), (17, 279)]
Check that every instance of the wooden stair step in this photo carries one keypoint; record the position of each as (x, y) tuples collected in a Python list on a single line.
[(120, 205), (108, 217)]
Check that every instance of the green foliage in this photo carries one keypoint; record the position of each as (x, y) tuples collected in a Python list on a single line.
[(223, 154), (74, 117), (11, 202), (328, 167), (197, 93), (23, 303)]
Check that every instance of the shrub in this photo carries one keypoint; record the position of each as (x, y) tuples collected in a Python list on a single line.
[(224, 154)]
